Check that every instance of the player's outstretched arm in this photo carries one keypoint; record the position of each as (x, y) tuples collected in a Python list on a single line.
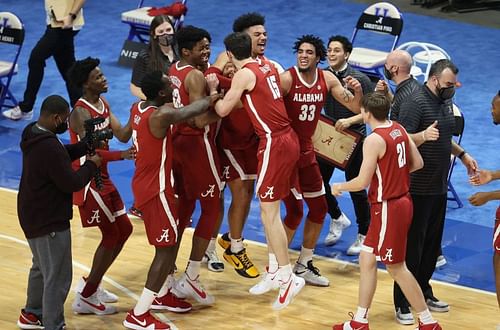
[(243, 80)]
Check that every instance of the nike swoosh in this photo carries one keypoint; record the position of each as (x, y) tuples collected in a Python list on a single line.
[(236, 264), (297, 86), (283, 297), (100, 307), (141, 323), (377, 213), (298, 272), (202, 294)]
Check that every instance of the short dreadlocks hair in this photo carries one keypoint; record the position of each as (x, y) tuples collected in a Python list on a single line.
[(79, 72), (318, 44), (247, 20)]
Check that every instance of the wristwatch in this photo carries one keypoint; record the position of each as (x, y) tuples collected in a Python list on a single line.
[(73, 16)]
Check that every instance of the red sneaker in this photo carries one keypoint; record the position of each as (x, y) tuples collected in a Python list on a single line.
[(171, 303), (351, 325), (135, 212), (145, 321), (432, 326), (29, 321)]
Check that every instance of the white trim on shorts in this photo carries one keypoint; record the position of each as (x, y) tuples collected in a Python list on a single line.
[(237, 166), (102, 205)]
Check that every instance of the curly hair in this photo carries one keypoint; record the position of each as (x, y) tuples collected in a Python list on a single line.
[(318, 44), (247, 20), (188, 36), (79, 72)]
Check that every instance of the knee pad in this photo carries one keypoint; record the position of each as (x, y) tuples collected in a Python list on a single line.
[(317, 209), (210, 209), (294, 212)]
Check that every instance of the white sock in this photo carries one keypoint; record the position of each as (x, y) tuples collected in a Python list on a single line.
[(145, 301), (361, 315), (211, 245), (237, 245), (285, 273), (426, 317), (193, 269), (305, 255), (273, 263)]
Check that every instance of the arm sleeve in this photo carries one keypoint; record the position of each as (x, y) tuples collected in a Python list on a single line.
[(62, 174), (410, 114), (140, 68), (109, 156), (224, 82), (76, 150)]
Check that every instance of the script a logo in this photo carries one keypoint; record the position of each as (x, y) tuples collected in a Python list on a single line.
[(210, 191), (225, 172), (269, 193), (163, 237), (388, 256), (95, 217)]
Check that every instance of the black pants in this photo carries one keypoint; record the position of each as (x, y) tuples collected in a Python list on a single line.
[(58, 43), (359, 198), (424, 242)]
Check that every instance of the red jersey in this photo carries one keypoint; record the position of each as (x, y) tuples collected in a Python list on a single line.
[(236, 130), (304, 103), (264, 104), (392, 175), (153, 162), (103, 111)]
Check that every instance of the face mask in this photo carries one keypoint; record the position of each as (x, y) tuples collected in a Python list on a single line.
[(445, 93), (61, 128), (387, 74), (166, 39)]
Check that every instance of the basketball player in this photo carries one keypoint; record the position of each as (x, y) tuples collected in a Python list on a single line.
[(480, 198), (154, 193), (305, 88), (389, 156), (196, 163), (101, 207), (256, 86)]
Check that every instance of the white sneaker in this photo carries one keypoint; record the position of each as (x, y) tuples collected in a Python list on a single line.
[(91, 305), (310, 274), (185, 287), (288, 290), (336, 228), (404, 316), (441, 261), (104, 295), (268, 282), (355, 248), (214, 264), (15, 114)]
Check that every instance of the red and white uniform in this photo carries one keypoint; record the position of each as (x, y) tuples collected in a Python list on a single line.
[(105, 204), (278, 145), (236, 140), (304, 103), (496, 233), (391, 205), (196, 161), (152, 183)]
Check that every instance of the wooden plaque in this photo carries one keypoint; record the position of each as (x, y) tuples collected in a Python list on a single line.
[(332, 145)]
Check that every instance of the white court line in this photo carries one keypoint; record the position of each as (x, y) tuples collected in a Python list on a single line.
[(345, 263), (105, 278)]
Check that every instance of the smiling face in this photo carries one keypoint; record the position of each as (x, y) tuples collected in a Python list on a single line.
[(258, 35), (200, 53), (336, 55), (307, 60)]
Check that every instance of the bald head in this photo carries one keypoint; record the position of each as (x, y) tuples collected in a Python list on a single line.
[(400, 58)]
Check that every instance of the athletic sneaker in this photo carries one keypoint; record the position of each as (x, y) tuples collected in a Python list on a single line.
[(404, 316), (145, 321), (16, 113), (135, 212), (310, 274), (91, 305), (171, 303), (437, 305), (441, 261), (336, 228), (104, 295), (224, 241), (432, 326), (214, 264), (185, 287), (355, 248), (241, 263), (288, 290), (29, 321), (351, 325), (268, 282)]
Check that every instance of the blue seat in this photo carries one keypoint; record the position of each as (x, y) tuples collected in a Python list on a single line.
[(457, 135), (11, 42), (384, 19)]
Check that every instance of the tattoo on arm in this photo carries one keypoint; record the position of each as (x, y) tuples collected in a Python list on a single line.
[(347, 95)]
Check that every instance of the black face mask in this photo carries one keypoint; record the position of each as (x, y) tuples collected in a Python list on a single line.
[(166, 39), (445, 93), (61, 128), (387, 74)]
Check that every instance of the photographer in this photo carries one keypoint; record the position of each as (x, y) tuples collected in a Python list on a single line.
[(100, 203), (44, 209)]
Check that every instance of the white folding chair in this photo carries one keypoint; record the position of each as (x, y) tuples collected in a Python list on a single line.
[(381, 18), (424, 54), (11, 42)]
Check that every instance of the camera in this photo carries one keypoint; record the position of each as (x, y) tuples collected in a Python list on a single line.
[(92, 137)]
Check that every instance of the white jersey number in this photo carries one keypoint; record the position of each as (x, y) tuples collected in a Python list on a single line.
[(401, 149), (307, 112), (177, 98), (273, 86)]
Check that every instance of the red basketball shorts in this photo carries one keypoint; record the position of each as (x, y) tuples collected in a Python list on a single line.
[(239, 163), (160, 220), (496, 235), (98, 208)]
